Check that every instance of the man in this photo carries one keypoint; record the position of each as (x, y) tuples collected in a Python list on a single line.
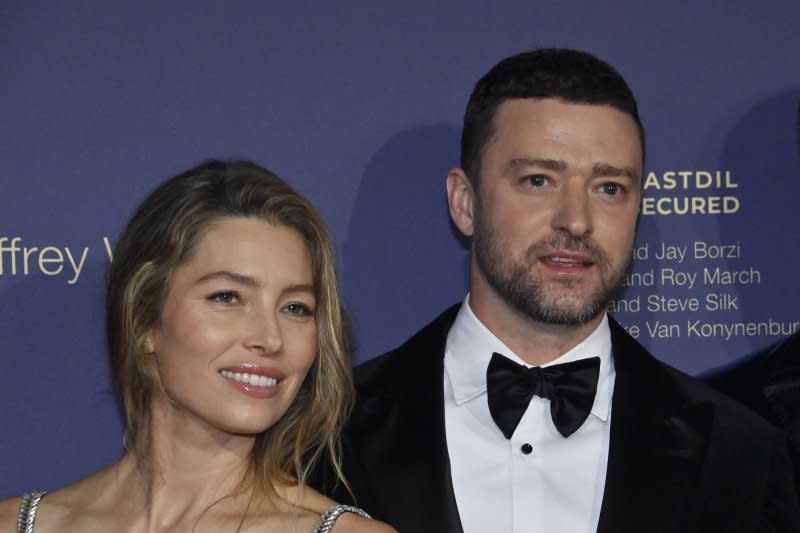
[(453, 432), (769, 381)]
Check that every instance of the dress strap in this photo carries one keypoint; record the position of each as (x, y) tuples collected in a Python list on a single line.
[(27, 511), (329, 518)]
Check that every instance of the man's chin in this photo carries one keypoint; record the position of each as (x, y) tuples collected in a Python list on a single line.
[(566, 312), (569, 317)]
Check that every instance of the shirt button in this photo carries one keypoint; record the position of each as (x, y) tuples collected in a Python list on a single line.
[(526, 448)]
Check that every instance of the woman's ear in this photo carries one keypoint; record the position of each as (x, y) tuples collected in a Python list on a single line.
[(149, 346)]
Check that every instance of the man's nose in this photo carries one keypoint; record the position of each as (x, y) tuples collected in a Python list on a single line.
[(573, 213)]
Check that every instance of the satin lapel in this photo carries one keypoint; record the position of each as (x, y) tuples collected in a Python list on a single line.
[(784, 398), (657, 447), (407, 456), (782, 387)]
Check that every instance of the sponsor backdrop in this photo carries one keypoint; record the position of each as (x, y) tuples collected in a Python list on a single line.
[(358, 104)]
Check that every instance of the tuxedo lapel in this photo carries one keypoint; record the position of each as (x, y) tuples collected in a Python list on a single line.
[(657, 446), (784, 398), (782, 386), (412, 462)]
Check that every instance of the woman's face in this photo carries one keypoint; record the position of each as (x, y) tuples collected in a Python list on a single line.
[(237, 333)]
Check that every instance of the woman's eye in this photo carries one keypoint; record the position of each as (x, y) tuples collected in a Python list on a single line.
[(224, 297), (299, 309), (537, 180)]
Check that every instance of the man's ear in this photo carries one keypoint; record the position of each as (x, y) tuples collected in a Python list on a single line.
[(461, 200)]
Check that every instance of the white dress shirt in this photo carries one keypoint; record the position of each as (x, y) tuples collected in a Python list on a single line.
[(557, 487)]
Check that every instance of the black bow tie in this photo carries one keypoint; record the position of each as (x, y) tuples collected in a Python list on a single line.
[(570, 387)]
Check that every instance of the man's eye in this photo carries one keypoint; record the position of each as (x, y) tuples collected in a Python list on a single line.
[(537, 180), (224, 297), (612, 189), (299, 309)]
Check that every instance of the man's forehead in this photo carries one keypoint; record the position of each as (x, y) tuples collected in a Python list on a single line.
[(523, 114), (512, 106)]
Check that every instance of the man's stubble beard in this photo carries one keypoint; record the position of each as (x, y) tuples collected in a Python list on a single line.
[(517, 285)]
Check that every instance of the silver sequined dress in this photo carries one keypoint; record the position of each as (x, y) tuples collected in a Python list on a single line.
[(30, 504)]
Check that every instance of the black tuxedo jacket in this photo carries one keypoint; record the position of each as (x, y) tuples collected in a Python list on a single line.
[(769, 383), (682, 458)]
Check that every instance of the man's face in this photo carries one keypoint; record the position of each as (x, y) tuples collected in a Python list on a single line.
[(555, 213)]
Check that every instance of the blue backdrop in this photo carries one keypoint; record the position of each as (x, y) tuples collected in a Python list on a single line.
[(359, 104)]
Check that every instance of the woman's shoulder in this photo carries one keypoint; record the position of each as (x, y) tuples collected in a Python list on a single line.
[(49, 514), (57, 507), (346, 522), (353, 523), (9, 510)]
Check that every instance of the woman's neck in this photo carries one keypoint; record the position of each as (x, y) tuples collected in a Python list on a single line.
[(190, 467)]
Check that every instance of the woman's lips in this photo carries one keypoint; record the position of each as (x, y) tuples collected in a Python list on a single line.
[(254, 380)]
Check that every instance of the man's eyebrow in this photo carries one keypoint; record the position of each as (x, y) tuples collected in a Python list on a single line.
[(519, 163), (232, 276), (598, 170), (602, 170)]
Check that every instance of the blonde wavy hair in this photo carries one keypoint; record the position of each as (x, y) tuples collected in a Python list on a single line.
[(160, 235)]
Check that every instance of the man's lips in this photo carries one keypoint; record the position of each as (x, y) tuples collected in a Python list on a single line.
[(565, 261)]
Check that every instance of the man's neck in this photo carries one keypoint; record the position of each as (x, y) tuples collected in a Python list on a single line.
[(536, 342)]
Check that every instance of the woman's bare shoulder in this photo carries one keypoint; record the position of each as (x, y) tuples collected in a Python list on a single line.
[(304, 498), (347, 522), (352, 523), (58, 506), (9, 509)]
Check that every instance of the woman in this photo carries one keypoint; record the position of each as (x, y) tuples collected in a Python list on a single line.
[(229, 351)]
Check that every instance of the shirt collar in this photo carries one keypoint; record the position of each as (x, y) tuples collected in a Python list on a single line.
[(470, 345)]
